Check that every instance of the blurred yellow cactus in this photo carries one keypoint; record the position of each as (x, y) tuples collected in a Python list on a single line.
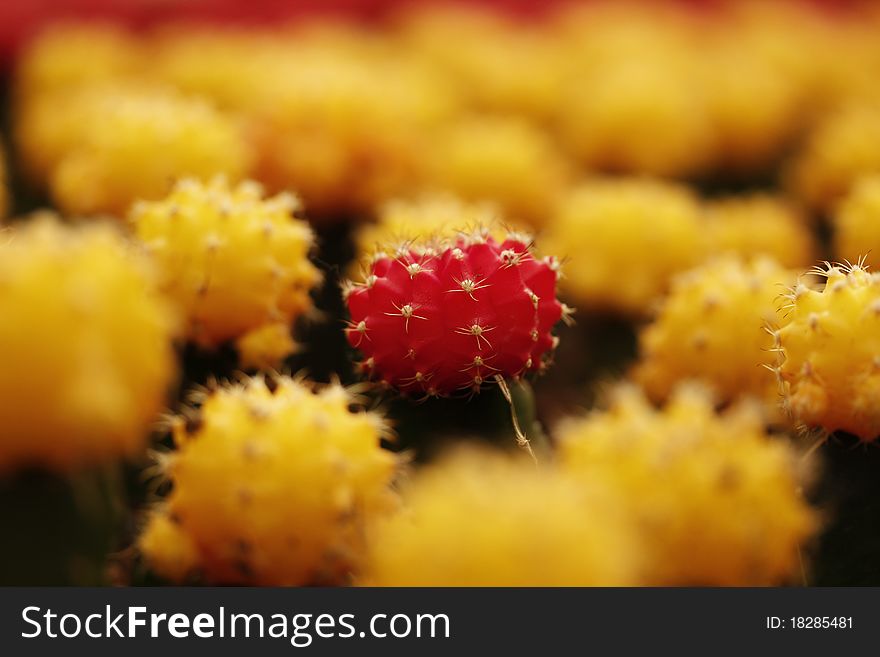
[(86, 345), (844, 147), (139, 146), (623, 240), (233, 261), (480, 519), (717, 501), (760, 225), (856, 222)]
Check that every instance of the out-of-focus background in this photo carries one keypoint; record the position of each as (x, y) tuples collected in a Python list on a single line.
[(659, 150)]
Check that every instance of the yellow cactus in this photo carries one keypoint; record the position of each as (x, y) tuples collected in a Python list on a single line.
[(400, 221), (324, 131), (496, 64), (227, 65), (172, 553), (713, 327), (483, 520), (857, 222), (716, 501), (233, 261), (138, 145), (829, 368), (623, 240), (760, 224), (638, 117), (844, 147), (86, 346), (67, 55), (751, 136), (273, 484), (504, 161), (43, 135)]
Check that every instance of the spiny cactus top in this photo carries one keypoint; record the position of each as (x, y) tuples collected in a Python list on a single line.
[(85, 346), (623, 240), (716, 500), (273, 484), (479, 519), (713, 327), (434, 320), (829, 352), (857, 222), (235, 262), (760, 224)]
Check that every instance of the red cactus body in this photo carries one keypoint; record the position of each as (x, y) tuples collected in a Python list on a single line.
[(441, 319)]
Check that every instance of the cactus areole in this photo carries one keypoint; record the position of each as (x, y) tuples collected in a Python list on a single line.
[(433, 320)]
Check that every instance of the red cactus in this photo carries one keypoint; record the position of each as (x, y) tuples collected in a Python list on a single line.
[(440, 319)]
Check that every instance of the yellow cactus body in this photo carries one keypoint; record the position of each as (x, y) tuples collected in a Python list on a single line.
[(623, 240), (273, 483), (494, 63), (481, 520), (499, 160), (86, 346), (326, 132), (172, 553), (402, 221), (65, 56), (44, 135), (857, 223), (829, 367), (713, 327), (232, 260), (760, 225), (752, 136), (228, 66), (844, 147), (138, 146), (716, 501), (637, 117)]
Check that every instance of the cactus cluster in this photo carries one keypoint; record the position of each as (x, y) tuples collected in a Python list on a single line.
[(718, 501), (828, 367), (712, 327), (681, 165), (235, 262), (86, 346), (440, 318), (274, 482)]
